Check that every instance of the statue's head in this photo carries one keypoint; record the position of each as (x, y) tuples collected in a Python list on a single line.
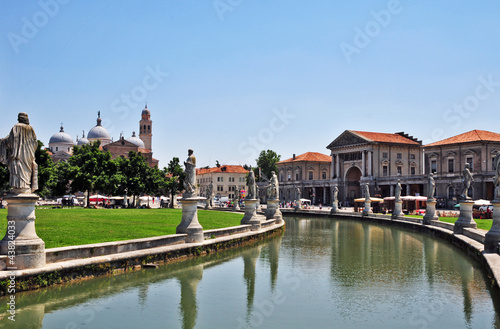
[(467, 165), (431, 175), (190, 151), (272, 173), (23, 118), (399, 180)]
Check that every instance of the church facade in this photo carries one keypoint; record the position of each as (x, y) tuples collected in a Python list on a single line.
[(61, 144)]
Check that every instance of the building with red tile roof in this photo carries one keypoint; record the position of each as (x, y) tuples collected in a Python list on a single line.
[(447, 158), (226, 180), (309, 172), (377, 159)]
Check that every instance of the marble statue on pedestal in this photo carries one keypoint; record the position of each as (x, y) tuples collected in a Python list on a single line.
[(190, 174), (299, 193), (398, 191), (496, 179), (466, 181), (335, 194), (431, 186), (273, 187), (252, 189), (367, 192), (17, 151)]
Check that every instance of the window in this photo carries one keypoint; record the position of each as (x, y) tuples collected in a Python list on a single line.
[(231, 196), (220, 179), (220, 188), (296, 176), (385, 170), (384, 155), (231, 179), (310, 175), (57, 148), (469, 160), (289, 178), (451, 192), (433, 166), (412, 170), (412, 156), (281, 178), (451, 165), (149, 128), (400, 156), (323, 175), (400, 170)]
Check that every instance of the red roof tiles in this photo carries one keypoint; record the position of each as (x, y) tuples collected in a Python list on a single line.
[(471, 136), (231, 169), (385, 137), (310, 157)]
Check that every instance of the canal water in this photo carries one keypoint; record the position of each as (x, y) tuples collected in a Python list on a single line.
[(322, 273)]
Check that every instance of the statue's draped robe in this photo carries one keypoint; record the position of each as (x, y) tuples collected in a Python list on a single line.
[(17, 151), (190, 174)]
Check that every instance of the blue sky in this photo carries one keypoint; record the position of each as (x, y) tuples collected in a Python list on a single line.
[(229, 78)]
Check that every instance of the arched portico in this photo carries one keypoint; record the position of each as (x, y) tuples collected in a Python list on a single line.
[(352, 187)]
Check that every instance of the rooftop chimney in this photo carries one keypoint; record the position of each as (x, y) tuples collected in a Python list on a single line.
[(294, 156)]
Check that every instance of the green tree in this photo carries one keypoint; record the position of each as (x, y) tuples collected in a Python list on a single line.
[(45, 170), (175, 179), (60, 184), (88, 168), (267, 163), (134, 173), (4, 179)]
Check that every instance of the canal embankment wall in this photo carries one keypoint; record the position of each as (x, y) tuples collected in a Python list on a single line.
[(72, 263)]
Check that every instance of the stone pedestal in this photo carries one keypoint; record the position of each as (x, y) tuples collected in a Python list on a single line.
[(465, 219), (398, 210), (430, 212), (189, 223), (251, 216), (208, 204), (335, 207), (237, 205), (368, 208), (273, 211), (492, 238), (26, 249)]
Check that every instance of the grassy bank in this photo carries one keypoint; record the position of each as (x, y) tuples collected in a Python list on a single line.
[(68, 227), (484, 224)]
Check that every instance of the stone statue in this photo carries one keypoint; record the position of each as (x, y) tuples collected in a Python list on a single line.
[(466, 181), (252, 190), (431, 186), (210, 190), (299, 193), (17, 151), (335, 194), (496, 179), (398, 191), (367, 191), (237, 194), (273, 187), (190, 174)]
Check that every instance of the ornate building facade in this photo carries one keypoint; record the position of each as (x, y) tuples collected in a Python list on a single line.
[(376, 159)]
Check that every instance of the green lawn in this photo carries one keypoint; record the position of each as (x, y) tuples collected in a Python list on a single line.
[(484, 224), (67, 227)]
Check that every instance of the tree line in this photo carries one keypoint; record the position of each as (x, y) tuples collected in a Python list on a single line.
[(91, 170)]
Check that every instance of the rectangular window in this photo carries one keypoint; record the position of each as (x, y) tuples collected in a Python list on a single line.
[(310, 175), (433, 166), (323, 175), (400, 156), (412, 170), (451, 165), (385, 170), (384, 155), (400, 170), (296, 176), (469, 161), (412, 156)]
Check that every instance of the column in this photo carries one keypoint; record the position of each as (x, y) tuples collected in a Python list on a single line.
[(363, 163), (324, 195), (332, 172), (370, 163), (338, 166), (392, 190), (314, 195), (407, 189)]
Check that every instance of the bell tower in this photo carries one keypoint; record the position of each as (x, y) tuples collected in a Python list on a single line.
[(146, 128)]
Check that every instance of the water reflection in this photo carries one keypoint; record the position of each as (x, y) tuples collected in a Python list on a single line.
[(333, 273)]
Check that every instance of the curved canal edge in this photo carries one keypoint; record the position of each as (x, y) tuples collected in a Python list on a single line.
[(472, 241), (116, 257)]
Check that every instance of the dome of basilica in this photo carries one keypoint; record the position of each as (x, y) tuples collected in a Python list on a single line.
[(61, 137), (136, 141)]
